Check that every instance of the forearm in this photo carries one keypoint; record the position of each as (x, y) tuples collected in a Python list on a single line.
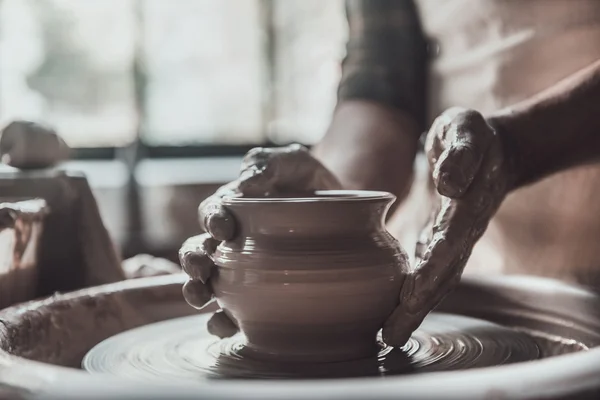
[(370, 146), (372, 140), (556, 130), (386, 57)]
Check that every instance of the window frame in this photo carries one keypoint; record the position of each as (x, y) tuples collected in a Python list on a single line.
[(145, 150), (131, 155)]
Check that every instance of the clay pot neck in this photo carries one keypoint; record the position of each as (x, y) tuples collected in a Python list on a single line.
[(330, 213)]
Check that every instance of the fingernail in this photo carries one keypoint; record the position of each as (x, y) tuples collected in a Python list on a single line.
[(197, 266), (220, 225), (197, 294)]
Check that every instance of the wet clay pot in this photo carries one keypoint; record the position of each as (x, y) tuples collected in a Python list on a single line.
[(310, 279)]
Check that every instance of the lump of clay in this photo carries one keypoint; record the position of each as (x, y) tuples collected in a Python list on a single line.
[(145, 265), (28, 145)]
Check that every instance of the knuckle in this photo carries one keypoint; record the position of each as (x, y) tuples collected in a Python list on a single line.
[(253, 155), (467, 117), (220, 225), (439, 125), (197, 265), (207, 208), (462, 153), (209, 244), (196, 294)]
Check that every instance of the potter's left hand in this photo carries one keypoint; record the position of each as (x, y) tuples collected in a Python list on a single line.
[(265, 172), (471, 177)]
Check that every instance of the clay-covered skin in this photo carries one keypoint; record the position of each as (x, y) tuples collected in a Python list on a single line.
[(476, 162), (29, 145), (471, 179)]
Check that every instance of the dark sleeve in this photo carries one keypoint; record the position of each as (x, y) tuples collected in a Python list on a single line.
[(386, 56)]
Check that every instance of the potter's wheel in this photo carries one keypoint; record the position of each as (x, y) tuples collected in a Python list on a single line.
[(521, 325), (182, 349)]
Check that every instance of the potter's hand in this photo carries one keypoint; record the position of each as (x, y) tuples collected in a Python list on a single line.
[(471, 178), (265, 172)]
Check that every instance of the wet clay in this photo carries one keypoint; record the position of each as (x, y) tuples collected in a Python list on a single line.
[(21, 224), (177, 351), (61, 329), (310, 279), (75, 249)]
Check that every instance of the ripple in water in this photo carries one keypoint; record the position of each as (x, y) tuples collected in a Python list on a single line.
[(182, 349)]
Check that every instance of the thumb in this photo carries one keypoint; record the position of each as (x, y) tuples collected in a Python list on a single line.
[(468, 138)]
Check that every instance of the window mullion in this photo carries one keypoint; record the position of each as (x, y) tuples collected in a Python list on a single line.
[(267, 25), (132, 154)]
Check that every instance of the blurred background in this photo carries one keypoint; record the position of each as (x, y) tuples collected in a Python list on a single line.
[(161, 99)]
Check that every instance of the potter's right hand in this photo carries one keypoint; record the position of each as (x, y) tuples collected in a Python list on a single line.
[(265, 172), (472, 176)]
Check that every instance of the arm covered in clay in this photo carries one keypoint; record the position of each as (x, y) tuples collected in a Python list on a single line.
[(556, 130), (373, 138), (476, 162)]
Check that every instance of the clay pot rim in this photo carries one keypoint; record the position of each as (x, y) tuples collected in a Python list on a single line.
[(321, 196)]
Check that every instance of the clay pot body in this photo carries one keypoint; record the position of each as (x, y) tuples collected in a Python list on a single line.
[(310, 278)]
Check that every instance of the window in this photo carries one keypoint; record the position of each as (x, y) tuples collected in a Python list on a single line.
[(107, 73)]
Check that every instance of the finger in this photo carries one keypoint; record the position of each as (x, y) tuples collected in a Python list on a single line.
[(261, 168), (466, 141), (400, 325), (403, 322), (449, 242), (221, 325), (257, 175), (195, 256), (439, 134), (424, 238), (216, 220), (197, 294), (458, 226), (285, 170), (436, 274)]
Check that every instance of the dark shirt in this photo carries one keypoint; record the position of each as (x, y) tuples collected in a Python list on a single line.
[(386, 56)]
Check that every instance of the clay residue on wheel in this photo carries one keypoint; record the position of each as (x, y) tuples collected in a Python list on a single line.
[(21, 224), (62, 328)]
